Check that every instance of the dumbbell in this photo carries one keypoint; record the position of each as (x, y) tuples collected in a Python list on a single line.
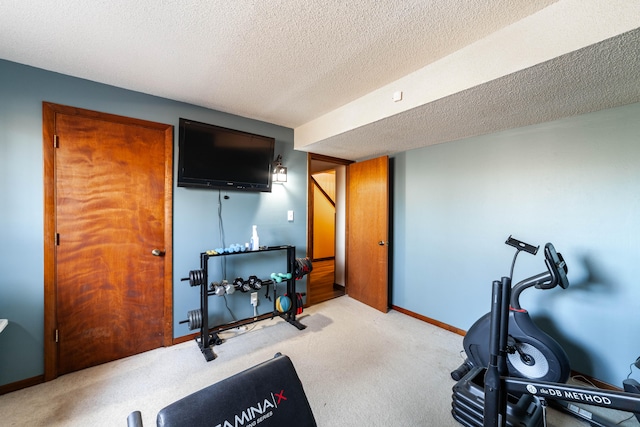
[(217, 289), (239, 283), (278, 277), (228, 287), (254, 282)]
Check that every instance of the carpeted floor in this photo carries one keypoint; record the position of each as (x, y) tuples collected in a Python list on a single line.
[(358, 367)]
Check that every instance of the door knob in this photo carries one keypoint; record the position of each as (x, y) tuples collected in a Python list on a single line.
[(157, 252), (382, 243)]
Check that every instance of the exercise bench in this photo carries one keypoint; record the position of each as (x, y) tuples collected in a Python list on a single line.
[(268, 394)]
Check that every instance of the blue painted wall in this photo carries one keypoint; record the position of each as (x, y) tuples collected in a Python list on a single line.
[(575, 183), (195, 217)]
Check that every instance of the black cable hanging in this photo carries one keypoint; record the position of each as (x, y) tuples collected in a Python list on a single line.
[(223, 260)]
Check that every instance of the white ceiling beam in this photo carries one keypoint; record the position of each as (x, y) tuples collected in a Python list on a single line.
[(563, 27)]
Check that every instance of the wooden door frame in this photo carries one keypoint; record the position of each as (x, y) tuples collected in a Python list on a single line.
[(49, 111)]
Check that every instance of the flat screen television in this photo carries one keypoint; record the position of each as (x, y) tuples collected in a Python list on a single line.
[(215, 157)]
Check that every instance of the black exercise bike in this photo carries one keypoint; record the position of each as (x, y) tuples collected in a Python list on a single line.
[(521, 359), (531, 353)]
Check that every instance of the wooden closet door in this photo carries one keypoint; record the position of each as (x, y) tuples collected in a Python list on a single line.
[(108, 272)]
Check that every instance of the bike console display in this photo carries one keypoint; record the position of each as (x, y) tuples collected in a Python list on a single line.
[(556, 266)]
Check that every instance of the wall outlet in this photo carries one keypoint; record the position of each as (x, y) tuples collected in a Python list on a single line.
[(254, 299)]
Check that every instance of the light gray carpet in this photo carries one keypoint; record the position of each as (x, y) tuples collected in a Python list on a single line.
[(358, 367)]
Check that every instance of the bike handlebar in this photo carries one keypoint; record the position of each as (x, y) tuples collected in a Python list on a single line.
[(555, 275)]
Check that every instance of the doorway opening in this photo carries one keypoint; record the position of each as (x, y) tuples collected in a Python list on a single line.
[(326, 245)]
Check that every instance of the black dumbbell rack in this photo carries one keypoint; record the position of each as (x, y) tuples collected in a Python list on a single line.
[(208, 337)]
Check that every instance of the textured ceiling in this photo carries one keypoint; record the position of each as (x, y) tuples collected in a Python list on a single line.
[(597, 77), (290, 62)]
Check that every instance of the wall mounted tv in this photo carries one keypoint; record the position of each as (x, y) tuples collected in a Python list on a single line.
[(219, 158)]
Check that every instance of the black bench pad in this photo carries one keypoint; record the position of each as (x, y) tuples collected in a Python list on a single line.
[(268, 394)]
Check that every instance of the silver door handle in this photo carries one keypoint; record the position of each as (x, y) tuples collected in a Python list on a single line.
[(382, 243), (157, 252)]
